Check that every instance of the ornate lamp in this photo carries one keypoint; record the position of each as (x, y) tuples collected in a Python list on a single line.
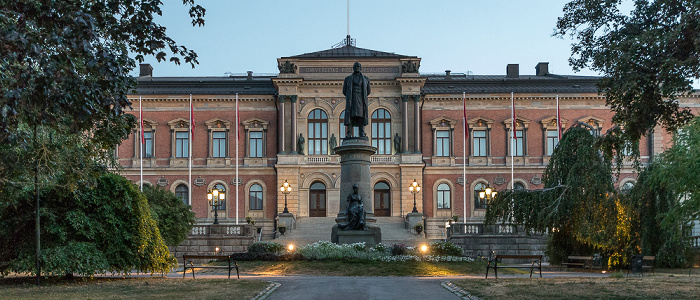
[(215, 198), (414, 188), (285, 189), (487, 194)]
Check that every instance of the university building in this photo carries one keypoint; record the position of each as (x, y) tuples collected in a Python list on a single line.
[(416, 123)]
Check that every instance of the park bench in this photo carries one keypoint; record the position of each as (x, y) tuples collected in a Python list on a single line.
[(639, 263), (189, 259), (578, 261), (493, 263)]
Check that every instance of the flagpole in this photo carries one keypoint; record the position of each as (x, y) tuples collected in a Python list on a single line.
[(512, 140), (558, 121), (189, 190), (464, 159), (237, 137), (141, 144)]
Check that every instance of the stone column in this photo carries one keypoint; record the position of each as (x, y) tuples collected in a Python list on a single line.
[(354, 169), (416, 119), (404, 123), (280, 125), (293, 112)]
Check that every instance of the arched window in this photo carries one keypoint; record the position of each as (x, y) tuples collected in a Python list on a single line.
[(317, 200), (318, 132), (381, 131), (626, 188), (182, 192), (444, 196), (382, 199), (256, 197), (222, 189), (343, 129), (478, 202), (518, 186)]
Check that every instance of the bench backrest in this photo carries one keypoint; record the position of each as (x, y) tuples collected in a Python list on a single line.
[(206, 257), (510, 256), (579, 257), (651, 258)]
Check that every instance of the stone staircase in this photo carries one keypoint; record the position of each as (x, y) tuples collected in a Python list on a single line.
[(310, 230)]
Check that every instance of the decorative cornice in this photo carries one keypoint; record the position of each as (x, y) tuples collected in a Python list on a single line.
[(459, 98), (204, 99)]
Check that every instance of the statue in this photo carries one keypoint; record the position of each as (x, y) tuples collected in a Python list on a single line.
[(300, 144), (332, 143), (356, 88), (355, 212), (397, 143)]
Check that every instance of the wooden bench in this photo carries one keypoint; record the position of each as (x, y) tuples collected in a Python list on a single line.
[(639, 263), (579, 262), (536, 263), (189, 259)]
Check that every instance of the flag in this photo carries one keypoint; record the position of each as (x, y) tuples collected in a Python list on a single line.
[(464, 104), (143, 137), (514, 123), (558, 119), (191, 119)]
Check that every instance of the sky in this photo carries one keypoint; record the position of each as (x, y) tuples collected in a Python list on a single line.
[(476, 36)]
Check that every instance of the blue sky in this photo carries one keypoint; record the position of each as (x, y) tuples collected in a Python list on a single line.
[(477, 36)]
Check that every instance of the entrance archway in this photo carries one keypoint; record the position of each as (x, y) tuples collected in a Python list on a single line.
[(317, 200), (382, 199)]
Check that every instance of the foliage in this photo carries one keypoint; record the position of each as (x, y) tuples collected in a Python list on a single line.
[(259, 249), (418, 227), (648, 58), (441, 248), (174, 218), (399, 249), (104, 224)]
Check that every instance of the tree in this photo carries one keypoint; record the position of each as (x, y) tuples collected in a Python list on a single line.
[(648, 59), (105, 224), (174, 218)]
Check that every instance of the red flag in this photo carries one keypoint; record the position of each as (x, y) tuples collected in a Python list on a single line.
[(558, 119), (238, 135), (464, 103), (143, 138), (191, 119), (514, 123)]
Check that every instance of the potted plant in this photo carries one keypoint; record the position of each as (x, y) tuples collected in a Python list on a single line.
[(418, 227), (248, 219), (282, 228), (455, 218)]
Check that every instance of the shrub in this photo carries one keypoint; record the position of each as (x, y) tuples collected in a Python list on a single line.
[(399, 249), (444, 249), (261, 249), (174, 218)]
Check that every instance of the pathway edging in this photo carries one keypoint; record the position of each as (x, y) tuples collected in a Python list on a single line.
[(458, 291)]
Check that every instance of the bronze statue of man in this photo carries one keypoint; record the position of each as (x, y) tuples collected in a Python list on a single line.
[(356, 88)]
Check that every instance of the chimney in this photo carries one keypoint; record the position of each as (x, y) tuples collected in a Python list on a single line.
[(250, 75), (447, 74), (512, 71), (542, 69), (146, 70)]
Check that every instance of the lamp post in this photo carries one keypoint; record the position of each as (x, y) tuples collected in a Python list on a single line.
[(285, 189), (487, 194), (215, 198), (414, 188)]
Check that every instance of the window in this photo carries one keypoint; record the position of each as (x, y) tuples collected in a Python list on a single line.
[(518, 186), (256, 197), (222, 189), (478, 202), (182, 143), (318, 132), (148, 147), (479, 137), (552, 141), (381, 131), (443, 143), (182, 192), (443, 196), (626, 188), (218, 144), (343, 129), (256, 144), (516, 145), (595, 123)]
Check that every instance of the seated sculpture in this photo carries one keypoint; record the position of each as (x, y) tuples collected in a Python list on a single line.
[(355, 212)]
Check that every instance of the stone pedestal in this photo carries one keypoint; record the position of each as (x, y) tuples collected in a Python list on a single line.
[(412, 219), (288, 220), (370, 237)]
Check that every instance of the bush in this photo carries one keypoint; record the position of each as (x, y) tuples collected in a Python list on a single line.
[(263, 249), (399, 249), (441, 248), (174, 218)]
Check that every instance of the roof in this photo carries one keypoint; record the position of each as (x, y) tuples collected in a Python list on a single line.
[(474, 84), (256, 85), (349, 51)]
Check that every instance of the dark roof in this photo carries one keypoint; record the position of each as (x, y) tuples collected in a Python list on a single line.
[(348, 51), (457, 83), (257, 85)]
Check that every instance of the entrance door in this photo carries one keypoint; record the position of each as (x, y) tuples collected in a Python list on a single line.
[(382, 200), (317, 200)]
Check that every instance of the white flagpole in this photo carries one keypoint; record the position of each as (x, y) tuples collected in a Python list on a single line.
[(464, 159), (237, 158), (512, 140), (558, 121), (189, 190), (140, 138)]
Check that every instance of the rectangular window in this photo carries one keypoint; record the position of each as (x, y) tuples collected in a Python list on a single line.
[(318, 138), (148, 147), (442, 143), (479, 142), (516, 145), (218, 144), (552, 141), (256, 144), (182, 144)]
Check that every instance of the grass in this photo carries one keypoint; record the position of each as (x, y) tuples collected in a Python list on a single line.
[(130, 288), (659, 286)]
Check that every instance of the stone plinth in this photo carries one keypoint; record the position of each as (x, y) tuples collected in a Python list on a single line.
[(370, 237), (354, 169), (412, 219), (287, 219)]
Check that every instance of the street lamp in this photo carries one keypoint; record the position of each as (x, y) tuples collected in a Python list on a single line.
[(414, 188), (487, 195), (285, 189), (215, 198)]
